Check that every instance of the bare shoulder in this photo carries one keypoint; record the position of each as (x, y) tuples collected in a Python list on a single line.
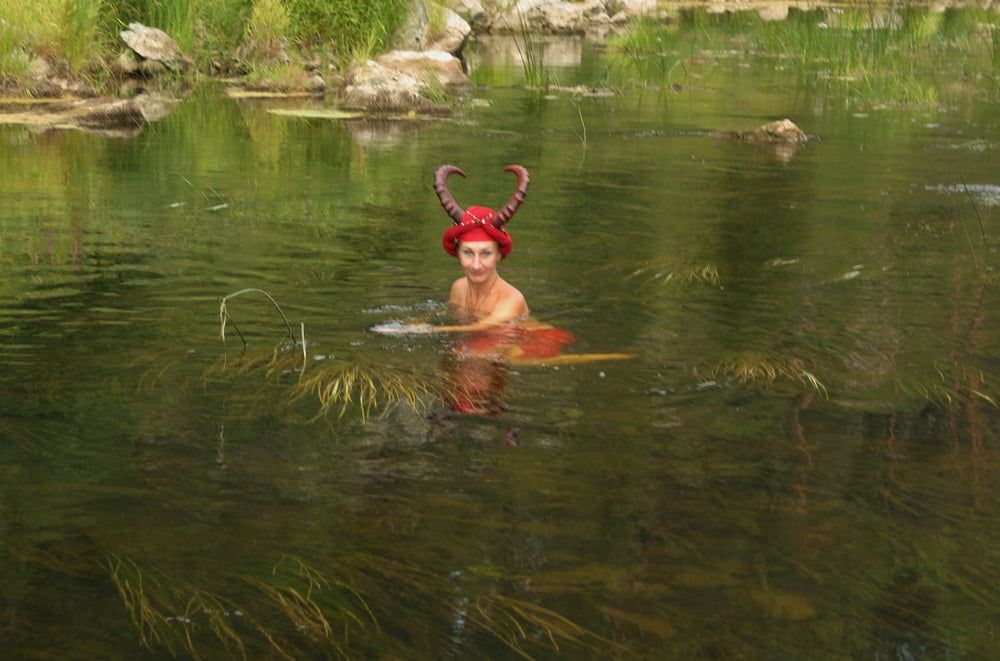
[(512, 299), (459, 289)]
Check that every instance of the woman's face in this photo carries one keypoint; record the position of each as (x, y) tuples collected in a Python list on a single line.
[(478, 259)]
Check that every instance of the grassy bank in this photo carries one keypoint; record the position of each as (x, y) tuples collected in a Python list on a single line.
[(81, 36), (875, 54)]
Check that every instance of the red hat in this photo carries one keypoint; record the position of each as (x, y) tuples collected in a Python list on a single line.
[(479, 223)]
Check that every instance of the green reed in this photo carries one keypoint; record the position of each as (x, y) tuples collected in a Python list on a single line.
[(532, 56), (353, 30), (267, 30), (65, 31), (14, 58)]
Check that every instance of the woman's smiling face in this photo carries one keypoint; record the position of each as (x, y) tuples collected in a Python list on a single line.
[(478, 259)]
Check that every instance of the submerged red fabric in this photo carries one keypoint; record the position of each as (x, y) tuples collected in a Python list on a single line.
[(479, 373), (476, 225)]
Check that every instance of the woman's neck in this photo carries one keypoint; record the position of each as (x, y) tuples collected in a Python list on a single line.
[(476, 296), (483, 288)]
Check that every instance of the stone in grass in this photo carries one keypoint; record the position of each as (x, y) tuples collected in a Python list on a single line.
[(780, 131), (156, 45)]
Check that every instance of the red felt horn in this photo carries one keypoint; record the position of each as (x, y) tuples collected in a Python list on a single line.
[(517, 199), (441, 188)]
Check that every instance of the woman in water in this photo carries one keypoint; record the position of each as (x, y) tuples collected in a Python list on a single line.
[(491, 312), (480, 300)]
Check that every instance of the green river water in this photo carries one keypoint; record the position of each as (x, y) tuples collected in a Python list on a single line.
[(165, 492)]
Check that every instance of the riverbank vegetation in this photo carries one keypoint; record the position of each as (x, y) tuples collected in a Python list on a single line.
[(80, 37), (877, 55)]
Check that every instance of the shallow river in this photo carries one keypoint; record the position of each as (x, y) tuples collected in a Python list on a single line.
[(800, 459)]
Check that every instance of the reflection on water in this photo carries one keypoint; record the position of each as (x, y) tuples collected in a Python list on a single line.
[(800, 460)]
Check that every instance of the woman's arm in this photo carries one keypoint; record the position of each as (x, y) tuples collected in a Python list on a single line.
[(512, 306), (505, 311)]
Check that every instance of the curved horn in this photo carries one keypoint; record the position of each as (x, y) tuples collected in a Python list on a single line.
[(517, 199), (441, 188)]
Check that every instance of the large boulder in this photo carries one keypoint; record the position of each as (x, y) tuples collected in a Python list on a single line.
[(433, 67), (555, 17), (375, 88), (404, 81), (591, 17), (473, 12), (155, 45), (410, 35), (448, 32)]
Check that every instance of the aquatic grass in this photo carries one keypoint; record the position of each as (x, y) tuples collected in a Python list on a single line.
[(515, 622), (337, 385), (314, 602), (325, 610), (532, 56), (176, 615), (761, 370), (953, 385), (982, 228), (163, 612), (650, 51), (508, 618), (225, 317), (678, 273), (340, 385)]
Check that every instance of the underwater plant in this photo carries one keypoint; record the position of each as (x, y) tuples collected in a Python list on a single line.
[(759, 370), (297, 608), (678, 273)]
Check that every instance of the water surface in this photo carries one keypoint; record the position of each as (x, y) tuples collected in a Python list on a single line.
[(663, 507)]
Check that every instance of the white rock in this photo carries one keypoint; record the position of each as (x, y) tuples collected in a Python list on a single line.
[(456, 30), (419, 64)]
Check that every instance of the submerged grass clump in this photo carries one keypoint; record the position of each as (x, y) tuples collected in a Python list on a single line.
[(758, 370), (683, 274), (339, 386)]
